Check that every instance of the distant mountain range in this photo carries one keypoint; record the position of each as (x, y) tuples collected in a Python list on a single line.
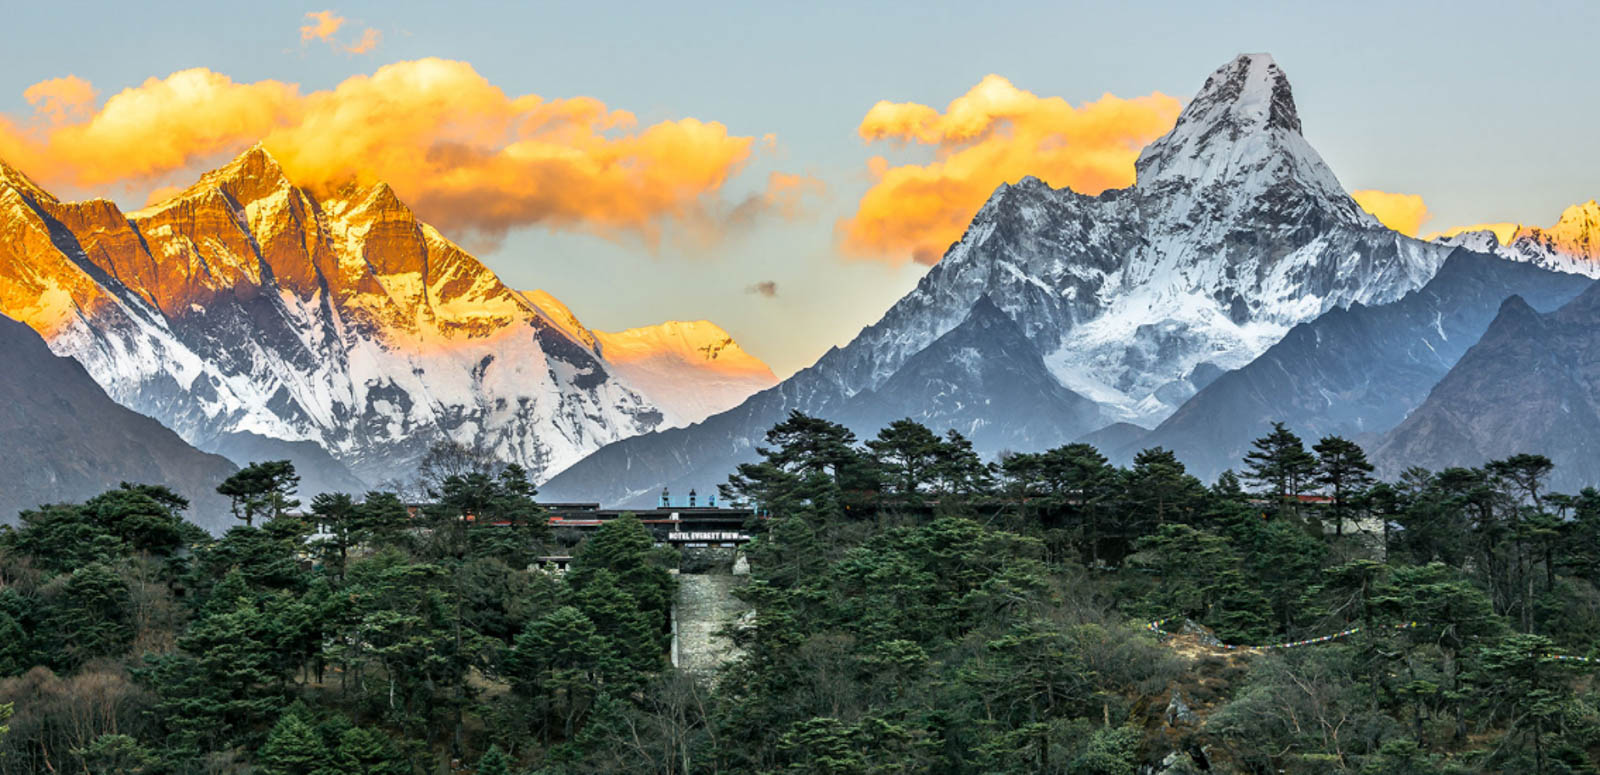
[(1352, 372), (690, 370), (1571, 245), (260, 320), (1235, 283), (1530, 384)]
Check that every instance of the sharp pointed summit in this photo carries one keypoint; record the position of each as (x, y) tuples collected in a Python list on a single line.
[(1252, 91), (1242, 131), (1234, 232)]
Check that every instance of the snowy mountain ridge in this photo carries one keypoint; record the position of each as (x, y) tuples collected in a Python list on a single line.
[(691, 370), (1571, 245), (1234, 231), (246, 304)]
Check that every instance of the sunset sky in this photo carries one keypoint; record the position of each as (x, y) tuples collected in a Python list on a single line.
[(784, 171)]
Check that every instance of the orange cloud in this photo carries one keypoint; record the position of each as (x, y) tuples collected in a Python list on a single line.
[(995, 133), (62, 99), (323, 25), (156, 127), (786, 193), (466, 155), (1502, 231), (1404, 213), (369, 41), (161, 194)]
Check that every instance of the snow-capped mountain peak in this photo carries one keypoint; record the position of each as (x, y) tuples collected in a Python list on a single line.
[(692, 370), (1577, 233), (1234, 231), (1252, 91), (12, 178), (1241, 131), (246, 305), (1571, 245)]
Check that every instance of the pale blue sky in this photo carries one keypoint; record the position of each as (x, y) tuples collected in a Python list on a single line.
[(1488, 110)]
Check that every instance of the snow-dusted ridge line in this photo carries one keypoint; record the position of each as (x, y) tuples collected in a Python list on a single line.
[(248, 304), (1571, 245)]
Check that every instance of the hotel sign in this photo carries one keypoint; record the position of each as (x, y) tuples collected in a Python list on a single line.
[(678, 537)]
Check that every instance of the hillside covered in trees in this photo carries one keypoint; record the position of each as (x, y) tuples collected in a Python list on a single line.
[(913, 609)]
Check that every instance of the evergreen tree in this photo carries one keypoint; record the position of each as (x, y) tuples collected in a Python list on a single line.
[(957, 469), (147, 518), (15, 654), (1280, 464), (494, 762), (1342, 467), (1518, 674), (907, 454), (91, 617), (364, 751), (555, 664), (261, 490), (624, 548), (62, 538), (1159, 488), (381, 517), (797, 449), (335, 514), (293, 748)]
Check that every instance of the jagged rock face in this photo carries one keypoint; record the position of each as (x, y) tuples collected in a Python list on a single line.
[(1354, 372), (247, 305), (65, 440), (1234, 232), (1530, 385)]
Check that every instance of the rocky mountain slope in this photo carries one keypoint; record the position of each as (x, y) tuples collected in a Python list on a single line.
[(63, 439), (1234, 232), (1531, 384), (247, 309), (973, 379), (1354, 372)]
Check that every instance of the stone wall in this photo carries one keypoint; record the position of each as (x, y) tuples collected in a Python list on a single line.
[(705, 605)]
